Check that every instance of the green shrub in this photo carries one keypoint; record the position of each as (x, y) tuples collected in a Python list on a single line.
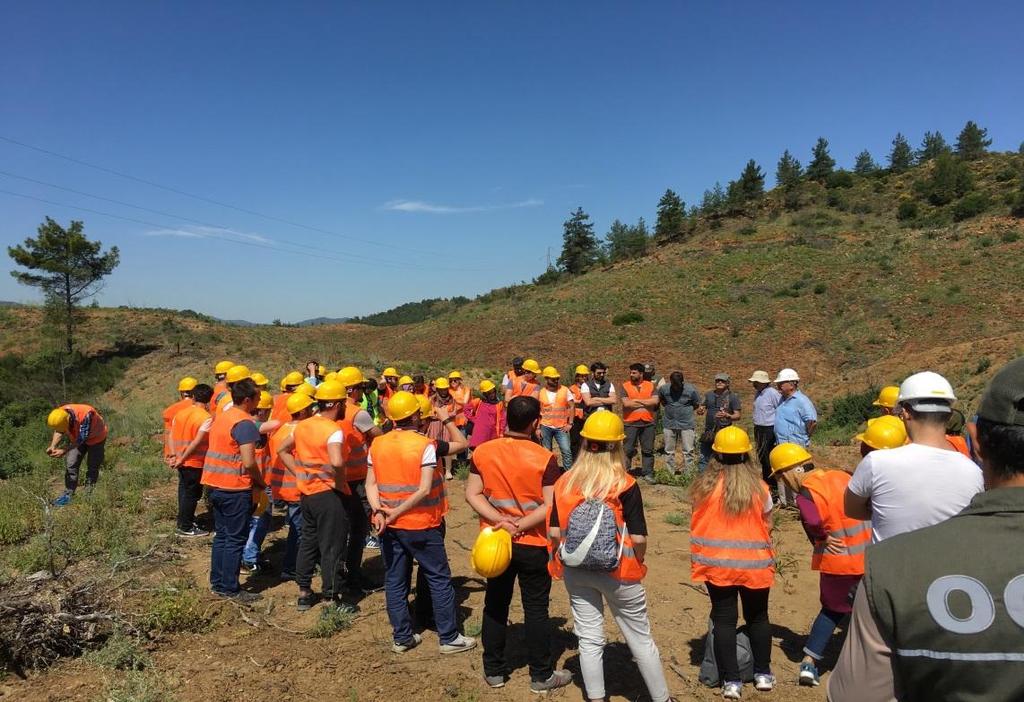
[(1009, 236), (120, 652), (331, 621), (820, 289), (176, 608), (1017, 206), (676, 519), (907, 210), (842, 416), (970, 205), (748, 230), (624, 318), (839, 179)]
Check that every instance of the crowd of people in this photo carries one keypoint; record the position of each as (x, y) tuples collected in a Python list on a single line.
[(915, 545)]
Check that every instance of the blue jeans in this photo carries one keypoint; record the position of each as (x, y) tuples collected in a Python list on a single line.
[(562, 437), (821, 631), (291, 548), (705, 456), (399, 548), (231, 510), (259, 525)]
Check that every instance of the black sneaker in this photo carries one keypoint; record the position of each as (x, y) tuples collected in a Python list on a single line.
[(287, 575), (191, 532), (306, 602)]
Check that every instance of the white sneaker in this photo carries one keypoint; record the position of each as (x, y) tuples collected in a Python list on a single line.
[(765, 682), (403, 647), (732, 690), (460, 644)]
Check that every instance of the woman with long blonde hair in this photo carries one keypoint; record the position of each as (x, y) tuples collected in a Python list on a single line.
[(731, 553), (607, 564)]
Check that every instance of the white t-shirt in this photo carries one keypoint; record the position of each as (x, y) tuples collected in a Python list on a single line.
[(363, 421), (914, 486), (429, 457), (205, 426), (337, 437), (585, 388)]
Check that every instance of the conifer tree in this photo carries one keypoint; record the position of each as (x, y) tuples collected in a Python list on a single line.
[(932, 146), (822, 163), (972, 142), (671, 215), (864, 165), (901, 157), (751, 182), (788, 171), (580, 249)]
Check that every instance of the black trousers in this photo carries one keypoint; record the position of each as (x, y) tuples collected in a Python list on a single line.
[(575, 440), (189, 492), (529, 566), (359, 527), (764, 439), (725, 612), (324, 530)]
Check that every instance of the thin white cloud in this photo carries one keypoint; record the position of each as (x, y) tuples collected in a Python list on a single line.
[(431, 208), (200, 232)]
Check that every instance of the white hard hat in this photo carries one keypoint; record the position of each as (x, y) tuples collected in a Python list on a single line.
[(919, 388), (786, 374)]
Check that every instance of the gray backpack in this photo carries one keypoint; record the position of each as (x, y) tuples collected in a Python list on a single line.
[(592, 540), (709, 666)]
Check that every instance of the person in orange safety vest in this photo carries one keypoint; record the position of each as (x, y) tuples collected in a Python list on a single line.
[(189, 438), (557, 408), (283, 487), (87, 436), (185, 387), (581, 375), (639, 410), (525, 383)]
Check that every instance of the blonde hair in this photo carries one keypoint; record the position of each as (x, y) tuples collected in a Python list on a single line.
[(741, 484), (598, 474)]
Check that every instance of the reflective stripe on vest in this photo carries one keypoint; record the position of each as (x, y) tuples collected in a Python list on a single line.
[(397, 459), (282, 481), (521, 387), (512, 472), (577, 398), (555, 414), (184, 428), (354, 449), (222, 467), (826, 489), (731, 549), (644, 391), (314, 473)]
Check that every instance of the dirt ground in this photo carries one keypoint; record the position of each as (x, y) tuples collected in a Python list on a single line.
[(261, 653)]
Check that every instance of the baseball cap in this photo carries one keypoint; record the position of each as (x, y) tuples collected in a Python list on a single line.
[(648, 368), (723, 376), (1003, 401)]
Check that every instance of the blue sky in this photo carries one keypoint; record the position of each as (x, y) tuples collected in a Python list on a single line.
[(417, 150)]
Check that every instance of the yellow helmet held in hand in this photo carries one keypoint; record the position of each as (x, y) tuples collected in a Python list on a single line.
[(236, 373), (330, 391), (455, 375), (297, 402), (405, 380), (260, 501), (884, 433), (492, 552), (222, 367), (442, 383), (426, 409), (582, 370), (350, 376), (390, 372), (294, 378), (58, 420), (731, 440), (320, 370), (487, 385), (887, 396), (305, 388), (261, 380), (402, 405), (531, 366), (187, 384), (266, 401), (551, 372), (603, 426), (786, 456)]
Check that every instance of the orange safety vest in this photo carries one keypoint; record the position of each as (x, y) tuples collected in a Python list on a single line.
[(397, 459), (184, 428), (522, 386), (512, 471), (555, 413), (354, 448), (282, 480), (222, 401), (218, 392), (643, 391), (97, 427), (826, 488), (630, 569), (314, 473), (577, 398), (279, 413), (168, 417), (223, 467), (728, 549), (462, 395), (959, 443)]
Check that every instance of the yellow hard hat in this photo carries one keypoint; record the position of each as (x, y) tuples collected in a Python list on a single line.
[(405, 380), (236, 373), (454, 374), (333, 376), (582, 370), (884, 433), (283, 385), (442, 383), (260, 501), (403, 404), (261, 380), (294, 378), (731, 440), (320, 370), (551, 372), (266, 401), (531, 365), (390, 372), (330, 391), (487, 386), (492, 552), (305, 388), (786, 456), (350, 376), (187, 384), (603, 426), (297, 402), (426, 409), (222, 367), (58, 419), (887, 396)]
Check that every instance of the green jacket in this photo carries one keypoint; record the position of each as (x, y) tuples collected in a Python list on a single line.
[(949, 600)]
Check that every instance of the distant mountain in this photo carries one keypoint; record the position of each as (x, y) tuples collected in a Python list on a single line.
[(238, 322), (317, 321), (8, 303)]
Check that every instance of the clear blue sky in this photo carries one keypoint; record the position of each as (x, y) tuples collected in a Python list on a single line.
[(438, 147)]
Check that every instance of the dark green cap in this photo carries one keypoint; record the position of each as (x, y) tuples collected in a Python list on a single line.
[(1003, 401)]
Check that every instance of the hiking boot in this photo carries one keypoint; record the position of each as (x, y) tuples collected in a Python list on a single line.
[(307, 602), (495, 681), (559, 678), (808, 675), (64, 499), (764, 682), (460, 644), (191, 532), (412, 643), (732, 690), (286, 576)]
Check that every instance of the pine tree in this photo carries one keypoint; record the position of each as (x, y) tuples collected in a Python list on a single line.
[(624, 241), (71, 269), (751, 182), (580, 249), (713, 200), (671, 216), (972, 142), (932, 146), (901, 158), (788, 171), (822, 163), (949, 179), (865, 165)]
